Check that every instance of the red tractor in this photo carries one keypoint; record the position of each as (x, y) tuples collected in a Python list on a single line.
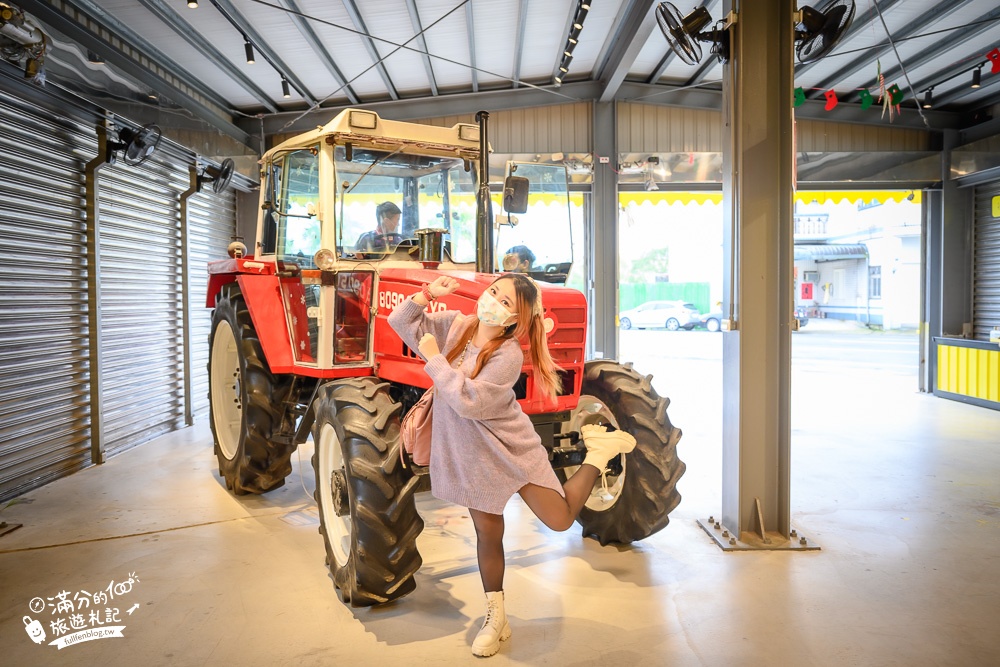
[(300, 343)]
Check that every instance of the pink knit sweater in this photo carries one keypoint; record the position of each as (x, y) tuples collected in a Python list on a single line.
[(483, 447)]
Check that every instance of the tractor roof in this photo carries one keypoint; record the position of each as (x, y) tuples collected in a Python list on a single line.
[(366, 128)]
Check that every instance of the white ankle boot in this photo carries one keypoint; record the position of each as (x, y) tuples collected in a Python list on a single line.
[(603, 446), (495, 628)]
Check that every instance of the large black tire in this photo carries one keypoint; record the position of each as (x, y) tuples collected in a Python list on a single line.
[(644, 494), (246, 401), (367, 513)]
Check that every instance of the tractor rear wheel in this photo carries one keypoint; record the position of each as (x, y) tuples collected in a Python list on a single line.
[(367, 513), (637, 502), (245, 401)]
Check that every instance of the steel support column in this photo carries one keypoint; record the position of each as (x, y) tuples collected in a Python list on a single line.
[(92, 170), (604, 305), (757, 284), (186, 291)]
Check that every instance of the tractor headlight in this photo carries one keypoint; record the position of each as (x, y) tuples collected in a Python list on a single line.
[(325, 259)]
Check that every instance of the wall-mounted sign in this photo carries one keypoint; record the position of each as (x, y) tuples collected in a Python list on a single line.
[(996, 206), (807, 291)]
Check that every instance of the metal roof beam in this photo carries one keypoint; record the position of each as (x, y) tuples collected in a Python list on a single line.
[(522, 23), (962, 91), (626, 40), (411, 6), (939, 11), (359, 23), (118, 49), (312, 39), (470, 29), (942, 46), (946, 74), (582, 91), (702, 71), (229, 11), (857, 25), (205, 48)]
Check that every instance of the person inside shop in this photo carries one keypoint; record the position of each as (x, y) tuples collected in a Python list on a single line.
[(484, 448), (386, 232), (519, 259)]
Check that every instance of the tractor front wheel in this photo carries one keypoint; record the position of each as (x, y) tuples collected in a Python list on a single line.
[(245, 401), (367, 513), (636, 503)]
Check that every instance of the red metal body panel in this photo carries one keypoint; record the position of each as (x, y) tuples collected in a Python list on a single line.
[(567, 340)]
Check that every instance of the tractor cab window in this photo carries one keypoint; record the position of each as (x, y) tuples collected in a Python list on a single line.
[(538, 242), (291, 226), (385, 195)]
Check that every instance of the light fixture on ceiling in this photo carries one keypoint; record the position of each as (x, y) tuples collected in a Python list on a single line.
[(928, 99), (248, 47), (977, 77), (583, 6), (193, 4), (285, 92)]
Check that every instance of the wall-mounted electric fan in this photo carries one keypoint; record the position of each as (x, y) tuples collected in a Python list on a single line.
[(819, 31), (816, 32), (220, 177), (684, 33), (136, 145)]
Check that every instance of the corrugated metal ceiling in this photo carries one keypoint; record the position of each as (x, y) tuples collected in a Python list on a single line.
[(336, 53)]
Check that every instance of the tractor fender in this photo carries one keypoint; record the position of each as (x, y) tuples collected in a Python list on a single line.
[(262, 294)]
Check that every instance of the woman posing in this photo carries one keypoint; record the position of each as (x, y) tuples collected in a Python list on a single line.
[(484, 449)]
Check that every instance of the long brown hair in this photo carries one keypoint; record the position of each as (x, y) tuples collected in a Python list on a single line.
[(529, 328)]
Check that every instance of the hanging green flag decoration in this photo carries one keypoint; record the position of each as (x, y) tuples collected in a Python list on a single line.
[(866, 99), (800, 97)]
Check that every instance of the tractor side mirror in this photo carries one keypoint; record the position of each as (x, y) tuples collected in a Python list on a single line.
[(515, 194)]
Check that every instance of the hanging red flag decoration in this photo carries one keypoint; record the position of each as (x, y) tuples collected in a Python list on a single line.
[(831, 99), (994, 56)]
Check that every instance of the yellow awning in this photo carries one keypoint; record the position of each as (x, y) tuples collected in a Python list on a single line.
[(855, 196), (803, 196), (668, 198)]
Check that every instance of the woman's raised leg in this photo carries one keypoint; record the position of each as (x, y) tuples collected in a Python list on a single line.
[(556, 512)]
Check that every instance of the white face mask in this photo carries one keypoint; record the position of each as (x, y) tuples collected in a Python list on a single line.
[(492, 312)]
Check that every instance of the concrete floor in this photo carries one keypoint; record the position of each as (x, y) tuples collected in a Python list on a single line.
[(900, 489)]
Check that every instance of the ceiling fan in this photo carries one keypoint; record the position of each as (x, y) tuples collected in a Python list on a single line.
[(816, 32), (136, 145)]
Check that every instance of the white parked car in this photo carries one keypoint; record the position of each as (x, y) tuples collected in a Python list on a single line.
[(672, 315)]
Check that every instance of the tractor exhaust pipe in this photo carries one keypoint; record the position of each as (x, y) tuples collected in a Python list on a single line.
[(484, 208)]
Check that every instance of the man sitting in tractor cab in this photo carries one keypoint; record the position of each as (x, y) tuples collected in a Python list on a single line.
[(385, 235), (519, 259)]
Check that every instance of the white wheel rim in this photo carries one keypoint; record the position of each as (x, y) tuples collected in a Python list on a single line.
[(227, 405), (592, 410), (713, 325), (338, 528)]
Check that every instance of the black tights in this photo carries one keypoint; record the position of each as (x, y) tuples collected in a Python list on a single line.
[(555, 511)]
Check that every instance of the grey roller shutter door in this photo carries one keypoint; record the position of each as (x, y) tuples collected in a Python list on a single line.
[(142, 352), (986, 263), (211, 225), (44, 373)]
